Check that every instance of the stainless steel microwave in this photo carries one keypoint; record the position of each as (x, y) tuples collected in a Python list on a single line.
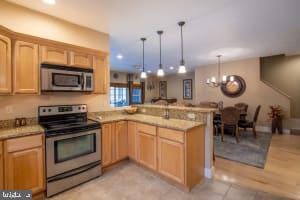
[(56, 78)]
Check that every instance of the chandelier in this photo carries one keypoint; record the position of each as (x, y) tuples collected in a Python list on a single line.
[(217, 81)]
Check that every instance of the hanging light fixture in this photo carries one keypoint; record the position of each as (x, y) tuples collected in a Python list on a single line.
[(216, 81), (143, 73), (182, 68), (160, 71)]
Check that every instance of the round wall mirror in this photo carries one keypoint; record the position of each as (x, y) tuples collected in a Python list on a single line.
[(234, 88)]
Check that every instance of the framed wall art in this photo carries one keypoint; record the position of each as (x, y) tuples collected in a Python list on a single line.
[(163, 89), (188, 89)]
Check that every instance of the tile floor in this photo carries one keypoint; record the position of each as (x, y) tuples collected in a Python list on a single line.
[(131, 182)]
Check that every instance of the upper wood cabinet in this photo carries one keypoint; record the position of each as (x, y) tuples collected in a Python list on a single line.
[(79, 59), (53, 55), (132, 140), (24, 164), (107, 130), (121, 140), (26, 73), (5, 65), (101, 74)]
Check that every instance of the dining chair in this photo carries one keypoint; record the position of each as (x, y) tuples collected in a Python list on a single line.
[(251, 124), (242, 106), (230, 117)]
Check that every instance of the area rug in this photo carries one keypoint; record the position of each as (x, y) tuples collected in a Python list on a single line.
[(248, 151)]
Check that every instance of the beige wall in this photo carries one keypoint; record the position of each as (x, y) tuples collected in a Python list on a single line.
[(30, 22), (174, 86), (26, 21), (283, 72), (257, 93)]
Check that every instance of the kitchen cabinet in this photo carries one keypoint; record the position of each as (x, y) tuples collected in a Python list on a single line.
[(114, 142), (80, 59), (24, 164), (132, 140), (171, 157), (107, 144), (1, 167), (26, 69), (53, 55), (5, 65), (146, 145), (101, 74)]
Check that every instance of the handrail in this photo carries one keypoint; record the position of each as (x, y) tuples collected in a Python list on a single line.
[(276, 89)]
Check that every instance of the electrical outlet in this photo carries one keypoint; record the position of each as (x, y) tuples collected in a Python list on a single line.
[(191, 116), (9, 109)]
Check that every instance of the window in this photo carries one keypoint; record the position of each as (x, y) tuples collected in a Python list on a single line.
[(136, 97), (119, 96)]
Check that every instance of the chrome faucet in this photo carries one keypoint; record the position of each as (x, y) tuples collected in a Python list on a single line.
[(167, 112)]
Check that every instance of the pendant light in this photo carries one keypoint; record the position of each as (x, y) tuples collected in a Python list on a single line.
[(182, 68), (143, 74), (160, 71)]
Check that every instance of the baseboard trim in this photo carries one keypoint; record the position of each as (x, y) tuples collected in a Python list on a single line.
[(268, 129), (209, 172)]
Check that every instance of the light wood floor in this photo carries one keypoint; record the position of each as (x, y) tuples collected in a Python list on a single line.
[(281, 175)]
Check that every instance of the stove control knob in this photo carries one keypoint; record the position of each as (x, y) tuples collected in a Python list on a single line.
[(83, 108), (44, 110), (79, 108), (49, 110)]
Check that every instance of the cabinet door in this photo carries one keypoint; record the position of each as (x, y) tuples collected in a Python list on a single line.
[(5, 65), (171, 159), (100, 75), (106, 144), (24, 170), (1, 167), (78, 59), (121, 140), (146, 150), (53, 55), (132, 140), (26, 67)]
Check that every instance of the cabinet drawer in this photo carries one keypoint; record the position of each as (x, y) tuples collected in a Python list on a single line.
[(145, 128), (170, 134), (23, 143)]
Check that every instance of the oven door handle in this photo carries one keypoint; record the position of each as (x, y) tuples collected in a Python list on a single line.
[(74, 172)]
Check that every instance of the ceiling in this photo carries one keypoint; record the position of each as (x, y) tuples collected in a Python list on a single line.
[(234, 28)]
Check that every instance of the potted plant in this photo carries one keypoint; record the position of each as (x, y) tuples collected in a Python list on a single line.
[(276, 116)]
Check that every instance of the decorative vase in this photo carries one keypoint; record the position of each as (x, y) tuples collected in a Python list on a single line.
[(277, 125)]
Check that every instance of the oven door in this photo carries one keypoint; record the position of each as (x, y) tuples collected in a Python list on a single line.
[(69, 152), (61, 80)]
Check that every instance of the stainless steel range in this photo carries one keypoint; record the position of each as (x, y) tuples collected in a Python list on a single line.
[(73, 146)]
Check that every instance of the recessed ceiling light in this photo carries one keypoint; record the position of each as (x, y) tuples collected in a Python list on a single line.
[(49, 2), (149, 71), (171, 67), (119, 56)]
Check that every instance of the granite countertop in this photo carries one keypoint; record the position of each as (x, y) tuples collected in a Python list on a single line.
[(195, 109), (177, 124), (7, 133)]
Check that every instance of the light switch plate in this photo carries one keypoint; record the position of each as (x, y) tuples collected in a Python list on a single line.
[(191, 116)]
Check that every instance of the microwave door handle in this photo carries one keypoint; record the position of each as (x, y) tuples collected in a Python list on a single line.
[(82, 81)]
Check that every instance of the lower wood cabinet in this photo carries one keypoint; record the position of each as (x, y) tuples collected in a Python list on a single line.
[(132, 140), (171, 159), (114, 142), (24, 164), (146, 146), (1, 166)]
